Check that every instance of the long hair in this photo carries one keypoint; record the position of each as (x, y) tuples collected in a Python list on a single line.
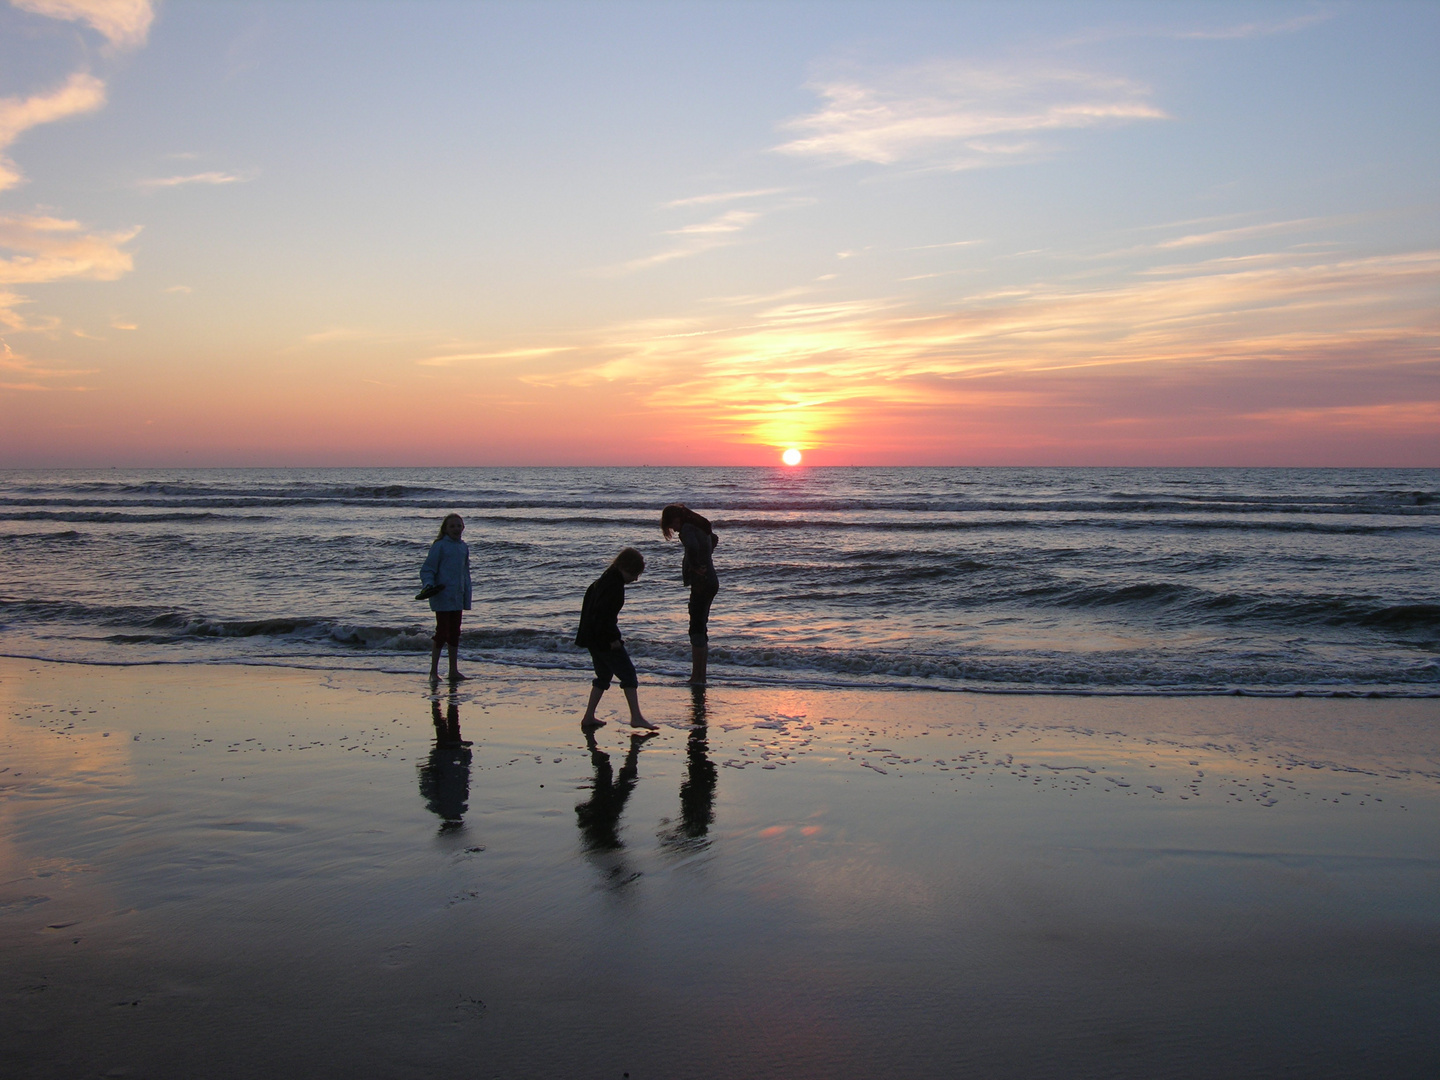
[(677, 514), (630, 561), (445, 524)]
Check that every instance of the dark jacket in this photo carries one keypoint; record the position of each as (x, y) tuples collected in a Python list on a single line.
[(448, 565), (599, 614), (698, 544)]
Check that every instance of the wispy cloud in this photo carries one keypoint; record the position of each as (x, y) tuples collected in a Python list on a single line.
[(198, 178), (15, 320), (45, 249), (39, 250), (1232, 32), (1241, 31), (1244, 232), (125, 24), (938, 274), (1417, 416), (731, 221), (722, 197), (81, 93), (21, 373), (1234, 234), (692, 240), (450, 359), (331, 336), (951, 244), (958, 115)]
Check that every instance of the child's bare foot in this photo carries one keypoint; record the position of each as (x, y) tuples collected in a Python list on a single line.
[(455, 676), (589, 723), (641, 722)]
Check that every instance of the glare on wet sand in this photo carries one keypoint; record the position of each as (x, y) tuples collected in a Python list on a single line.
[(249, 867)]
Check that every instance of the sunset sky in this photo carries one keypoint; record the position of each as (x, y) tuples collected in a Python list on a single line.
[(701, 233)]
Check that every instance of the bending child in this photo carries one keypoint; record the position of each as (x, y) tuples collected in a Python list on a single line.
[(697, 570), (600, 633)]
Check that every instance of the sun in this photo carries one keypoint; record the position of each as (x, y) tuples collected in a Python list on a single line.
[(791, 456)]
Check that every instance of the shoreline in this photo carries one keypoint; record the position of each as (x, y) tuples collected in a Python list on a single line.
[(555, 671)]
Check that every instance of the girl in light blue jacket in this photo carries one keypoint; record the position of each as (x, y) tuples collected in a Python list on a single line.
[(446, 577)]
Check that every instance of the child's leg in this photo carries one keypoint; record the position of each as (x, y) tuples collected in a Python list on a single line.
[(601, 662), (439, 640), (588, 720), (618, 661), (625, 669), (448, 628), (632, 699), (702, 595), (454, 647)]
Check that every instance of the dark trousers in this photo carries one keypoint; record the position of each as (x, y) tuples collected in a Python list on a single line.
[(610, 663), (702, 594), (447, 628)]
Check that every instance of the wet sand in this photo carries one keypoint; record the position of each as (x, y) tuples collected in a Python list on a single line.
[(237, 872)]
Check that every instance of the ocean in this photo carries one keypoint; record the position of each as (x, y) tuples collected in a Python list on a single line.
[(1050, 580)]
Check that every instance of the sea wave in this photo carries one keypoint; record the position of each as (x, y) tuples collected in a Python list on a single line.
[(641, 519), (1154, 600), (1218, 672), (68, 536), (942, 525), (1238, 607), (117, 517), (1212, 669), (1122, 672), (247, 490), (1408, 504), (215, 502)]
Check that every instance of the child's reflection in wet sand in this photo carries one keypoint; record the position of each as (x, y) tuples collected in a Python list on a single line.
[(697, 790), (599, 818), (445, 775)]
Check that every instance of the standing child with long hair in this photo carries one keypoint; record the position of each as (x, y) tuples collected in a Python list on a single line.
[(446, 577), (600, 633), (697, 569)]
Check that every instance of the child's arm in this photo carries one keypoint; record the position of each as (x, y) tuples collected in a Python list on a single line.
[(608, 602), (431, 566), (698, 546)]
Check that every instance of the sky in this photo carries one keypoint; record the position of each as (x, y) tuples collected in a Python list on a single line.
[(412, 233)]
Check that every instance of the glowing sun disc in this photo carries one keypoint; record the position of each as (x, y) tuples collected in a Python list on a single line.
[(791, 456)]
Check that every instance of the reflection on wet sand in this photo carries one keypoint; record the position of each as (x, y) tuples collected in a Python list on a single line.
[(445, 775), (697, 790), (1169, 887), (599, 818)]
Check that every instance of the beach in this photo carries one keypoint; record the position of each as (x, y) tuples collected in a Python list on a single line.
[(222, 870)]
